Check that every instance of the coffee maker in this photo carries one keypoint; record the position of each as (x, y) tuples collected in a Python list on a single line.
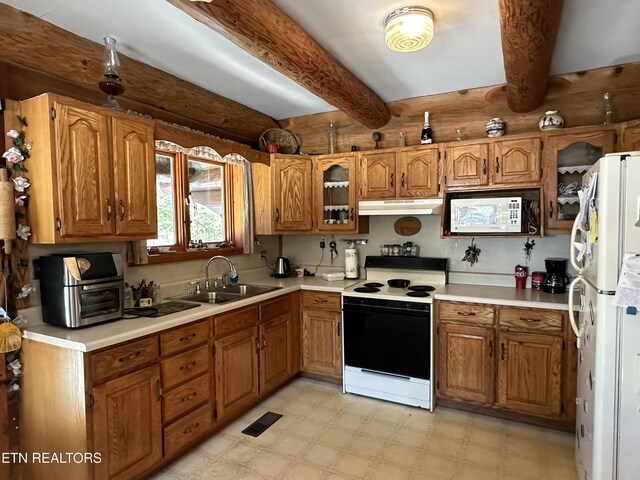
[(556, 279)]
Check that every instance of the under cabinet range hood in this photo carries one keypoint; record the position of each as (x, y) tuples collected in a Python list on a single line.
[(425, 206)]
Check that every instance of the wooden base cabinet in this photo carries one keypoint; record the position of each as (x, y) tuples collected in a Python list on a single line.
[(506, 360), (321, 334)]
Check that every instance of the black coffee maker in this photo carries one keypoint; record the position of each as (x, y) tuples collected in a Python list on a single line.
[(556, 279)]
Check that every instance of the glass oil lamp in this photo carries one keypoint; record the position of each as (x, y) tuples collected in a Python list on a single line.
[(111, 84)]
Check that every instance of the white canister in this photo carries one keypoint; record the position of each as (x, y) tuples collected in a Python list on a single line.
[(495, 128), (552, 120), (351, 268)]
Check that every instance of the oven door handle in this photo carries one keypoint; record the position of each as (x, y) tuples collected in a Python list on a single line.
[(102, 286), (378, 309)]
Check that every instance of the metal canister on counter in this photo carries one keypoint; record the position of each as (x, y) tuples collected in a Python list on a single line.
[(537, 280)]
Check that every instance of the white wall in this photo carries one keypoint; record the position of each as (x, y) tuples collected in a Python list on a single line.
[(497, 261)]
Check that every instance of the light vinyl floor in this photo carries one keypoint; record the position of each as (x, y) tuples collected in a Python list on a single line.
[(325, 434)]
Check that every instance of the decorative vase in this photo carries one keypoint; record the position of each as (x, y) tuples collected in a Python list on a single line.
[(495, 128), (552, 120)]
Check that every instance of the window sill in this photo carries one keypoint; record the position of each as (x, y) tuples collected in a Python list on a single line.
[(193, 255)]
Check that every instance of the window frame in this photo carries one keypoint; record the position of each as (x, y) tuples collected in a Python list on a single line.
[(180, 163)]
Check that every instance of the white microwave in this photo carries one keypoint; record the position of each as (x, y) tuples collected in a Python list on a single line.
[(486, 215)]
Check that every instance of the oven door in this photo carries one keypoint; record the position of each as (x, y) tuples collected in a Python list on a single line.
[(88, 304), (387, 336)]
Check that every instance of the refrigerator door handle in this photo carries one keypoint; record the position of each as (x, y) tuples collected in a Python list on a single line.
[(574, 325), (574, 234)]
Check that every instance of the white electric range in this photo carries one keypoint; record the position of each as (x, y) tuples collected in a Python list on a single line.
[(388, 331)]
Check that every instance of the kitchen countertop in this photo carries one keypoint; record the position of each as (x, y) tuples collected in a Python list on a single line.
[(94, 337), (104, 335), (525, 297)]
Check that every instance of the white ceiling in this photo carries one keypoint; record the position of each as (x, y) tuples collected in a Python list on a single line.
[(465, 52)]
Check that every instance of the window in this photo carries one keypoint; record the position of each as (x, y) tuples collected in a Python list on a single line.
[(195, 203)]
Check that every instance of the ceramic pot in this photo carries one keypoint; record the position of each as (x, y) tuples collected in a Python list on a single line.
[(552, 120), (495, 128)]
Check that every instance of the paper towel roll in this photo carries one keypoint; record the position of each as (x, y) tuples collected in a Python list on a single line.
[(351, 263), (7, 210)]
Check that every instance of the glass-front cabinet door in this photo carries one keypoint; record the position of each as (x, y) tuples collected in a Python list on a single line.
[(567, 156), (336, 209)]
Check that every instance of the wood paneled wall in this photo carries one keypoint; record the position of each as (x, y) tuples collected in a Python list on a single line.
[(578, 97)]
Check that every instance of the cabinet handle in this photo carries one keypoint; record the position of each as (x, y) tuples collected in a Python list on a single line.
[(188, 337), (484, 166), (490, 348), (502, 351), (187, 431), (188, 366), (129, 357), (320, 300), (277, 215), (338, 329), (467, 314), (402, 180), (351, 214), (497, 165), (264, 342), (159, 387), (121, 204), (188, 398), (550, 208), (109, 209), (391, 179), (257, 344), (530, 320)]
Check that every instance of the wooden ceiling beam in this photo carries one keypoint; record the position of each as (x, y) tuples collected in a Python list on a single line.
[(266, 32), (44, 47), (529, 31)]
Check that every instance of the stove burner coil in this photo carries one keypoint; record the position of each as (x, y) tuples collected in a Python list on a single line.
[(373, 285), (422, 288), (417, 294), (366, 290)]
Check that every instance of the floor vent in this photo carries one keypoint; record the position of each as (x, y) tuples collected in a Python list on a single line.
[(260, 425)]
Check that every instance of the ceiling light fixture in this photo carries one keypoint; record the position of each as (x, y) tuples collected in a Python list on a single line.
[(408, 29)]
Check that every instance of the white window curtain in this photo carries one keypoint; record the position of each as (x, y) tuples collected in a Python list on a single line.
[(208, 153)]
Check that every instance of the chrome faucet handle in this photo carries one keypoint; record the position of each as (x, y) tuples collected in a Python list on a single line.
[(225, 279), (197, 284), (216, 282)]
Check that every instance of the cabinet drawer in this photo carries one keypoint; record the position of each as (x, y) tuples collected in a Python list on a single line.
[(235, 321), (187, 429), (126, 358), (183, 338), (184, 398), (531, 319), (176, 370), (465, 312), (324, 300), (274, 309)]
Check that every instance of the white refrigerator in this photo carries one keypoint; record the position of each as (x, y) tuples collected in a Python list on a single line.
[(608, 336)]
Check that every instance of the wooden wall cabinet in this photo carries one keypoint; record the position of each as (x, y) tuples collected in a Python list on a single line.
[(506, 359), (321, 334), (301, 194), (513, 161), (631, 136), (92, 172), (399, 173), (567, 155)]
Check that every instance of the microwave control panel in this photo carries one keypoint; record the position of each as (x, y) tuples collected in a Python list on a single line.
[(514, 210)]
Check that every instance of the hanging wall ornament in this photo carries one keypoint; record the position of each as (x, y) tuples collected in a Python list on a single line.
[(528, 247), (471, 254)]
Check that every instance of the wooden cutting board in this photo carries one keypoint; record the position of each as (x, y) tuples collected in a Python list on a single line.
[(407, 226)]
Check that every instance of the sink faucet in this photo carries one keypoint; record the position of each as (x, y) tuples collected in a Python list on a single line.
[(232, 270)]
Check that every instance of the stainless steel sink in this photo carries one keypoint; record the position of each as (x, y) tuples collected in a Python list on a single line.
[(230, 293)]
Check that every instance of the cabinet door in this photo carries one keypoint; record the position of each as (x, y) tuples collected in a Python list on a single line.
[(418, 171), (516, 161), (127, 425), (321, 342), (84, 173), (566, 157), (466, 165), (292, 194), (236, 366), (529, 373), (377, 175), (631, 137), (275, 352), (335, 198), (466, 364), (135, 178)]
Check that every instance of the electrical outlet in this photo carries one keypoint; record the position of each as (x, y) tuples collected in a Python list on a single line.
[(322, 242)]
